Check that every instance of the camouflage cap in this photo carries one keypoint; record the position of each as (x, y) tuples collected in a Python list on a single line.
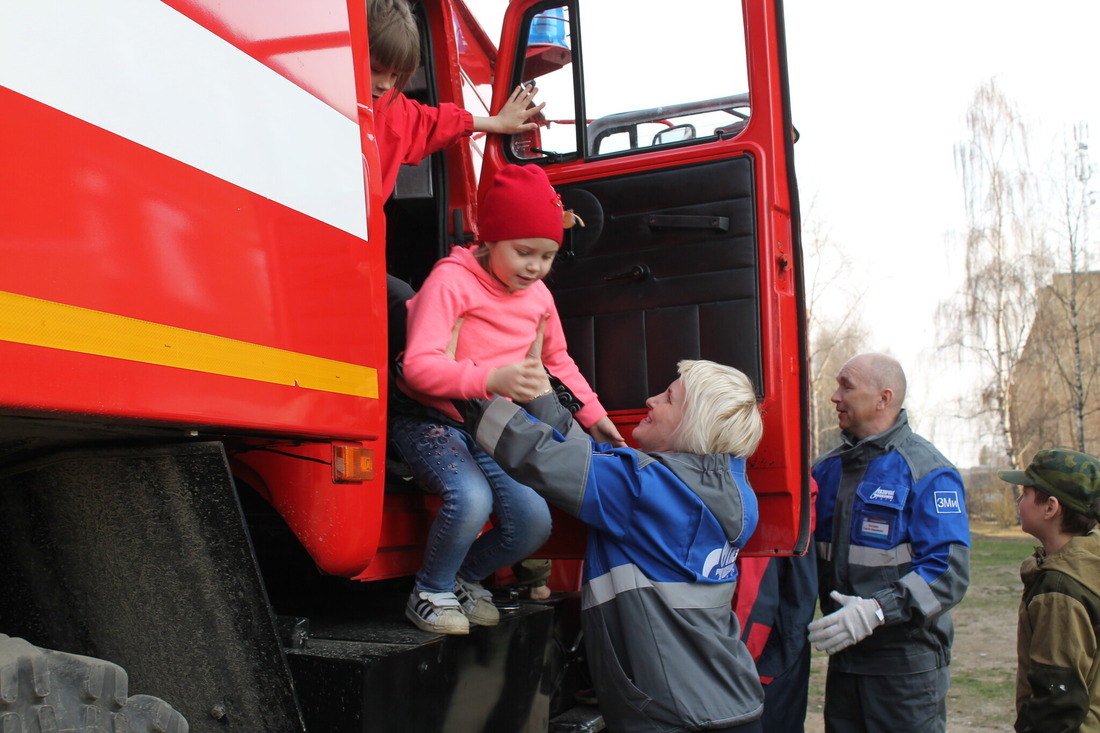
[(1072, 477)]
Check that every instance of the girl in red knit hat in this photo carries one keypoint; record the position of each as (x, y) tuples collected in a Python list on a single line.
[(497, 293)]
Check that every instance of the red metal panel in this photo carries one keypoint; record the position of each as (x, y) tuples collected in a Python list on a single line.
[(461, 179), (98, 222), (338, 524), (308, 43), (117, 231)]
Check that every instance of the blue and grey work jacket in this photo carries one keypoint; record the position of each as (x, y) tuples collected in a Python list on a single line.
[(663, 642), (892, 525)]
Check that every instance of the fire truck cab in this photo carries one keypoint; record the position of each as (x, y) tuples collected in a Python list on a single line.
[(194, 475)]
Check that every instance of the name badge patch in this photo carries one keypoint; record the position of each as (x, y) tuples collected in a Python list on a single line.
[(947, 502), (876, 527)]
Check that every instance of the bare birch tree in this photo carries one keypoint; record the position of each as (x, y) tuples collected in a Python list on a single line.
[(989, 317), (836, 331), (1077, 200)]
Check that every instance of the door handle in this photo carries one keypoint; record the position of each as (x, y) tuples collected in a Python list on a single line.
[(669, 221), (638, 273)]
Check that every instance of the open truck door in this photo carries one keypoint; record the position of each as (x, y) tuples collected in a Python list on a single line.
[(668, 131)]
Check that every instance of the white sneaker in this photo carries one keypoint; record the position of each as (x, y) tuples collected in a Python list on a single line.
[(476, 602), (437, 612)]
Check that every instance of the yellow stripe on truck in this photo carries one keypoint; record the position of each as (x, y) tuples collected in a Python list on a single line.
[(36, 322)]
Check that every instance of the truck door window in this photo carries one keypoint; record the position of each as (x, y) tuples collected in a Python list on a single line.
[(654, 75), (548, 62)]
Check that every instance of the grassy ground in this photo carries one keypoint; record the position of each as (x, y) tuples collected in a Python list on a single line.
[(983, 669)]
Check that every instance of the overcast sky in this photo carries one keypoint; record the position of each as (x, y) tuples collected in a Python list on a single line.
[(880, 92)]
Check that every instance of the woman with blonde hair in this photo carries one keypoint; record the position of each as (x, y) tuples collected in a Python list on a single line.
[(665, 525)]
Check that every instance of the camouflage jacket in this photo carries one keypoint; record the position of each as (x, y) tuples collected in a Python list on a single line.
[(1058, 639)]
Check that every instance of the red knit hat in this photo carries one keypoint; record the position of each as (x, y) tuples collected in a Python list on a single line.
[(521, 204)]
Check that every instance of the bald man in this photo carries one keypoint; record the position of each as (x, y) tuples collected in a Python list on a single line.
[(893, 547)]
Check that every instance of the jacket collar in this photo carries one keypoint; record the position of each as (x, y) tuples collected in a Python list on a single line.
[(883, 442)]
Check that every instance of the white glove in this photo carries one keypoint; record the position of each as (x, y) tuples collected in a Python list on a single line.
[(852, 623)]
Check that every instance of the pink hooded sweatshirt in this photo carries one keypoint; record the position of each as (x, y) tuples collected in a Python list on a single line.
[(498, 329)]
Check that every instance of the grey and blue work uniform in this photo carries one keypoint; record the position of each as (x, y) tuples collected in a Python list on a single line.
[(892, 525), (662, 640)]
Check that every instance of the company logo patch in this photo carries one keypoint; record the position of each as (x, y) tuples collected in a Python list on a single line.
[(720, 563), (882, 494), (947, 502)]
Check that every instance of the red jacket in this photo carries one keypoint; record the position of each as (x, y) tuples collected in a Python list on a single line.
[(409, 131)]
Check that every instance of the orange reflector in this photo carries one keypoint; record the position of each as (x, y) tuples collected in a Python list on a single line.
[(352, 463)]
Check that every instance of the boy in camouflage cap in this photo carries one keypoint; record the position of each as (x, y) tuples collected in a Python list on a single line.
[(1058, 679)]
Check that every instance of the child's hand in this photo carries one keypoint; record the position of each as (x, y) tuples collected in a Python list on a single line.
[(518, 113), (522, 382), (604, 431), (535, 352)]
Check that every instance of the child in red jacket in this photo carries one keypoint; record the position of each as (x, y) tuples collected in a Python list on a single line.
[(409, 131)]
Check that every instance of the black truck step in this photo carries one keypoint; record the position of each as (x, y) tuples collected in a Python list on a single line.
[(384, 675), (579, 719)]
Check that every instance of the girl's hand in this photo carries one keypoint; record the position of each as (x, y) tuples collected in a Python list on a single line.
[(604, 431), (519, 113), (522, 381), (525, 380), (535, 353)]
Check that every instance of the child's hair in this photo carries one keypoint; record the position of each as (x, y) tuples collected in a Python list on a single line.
[(394, 39), (1073, 522), (1076, 523), (721, 414)]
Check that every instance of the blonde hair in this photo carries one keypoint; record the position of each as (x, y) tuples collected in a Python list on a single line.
[(721, 414), (394, 39)]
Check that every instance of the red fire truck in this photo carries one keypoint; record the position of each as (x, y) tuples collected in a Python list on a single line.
[(193, 332)]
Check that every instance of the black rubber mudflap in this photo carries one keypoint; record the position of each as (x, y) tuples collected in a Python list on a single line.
[(140, 556), (44, 690)]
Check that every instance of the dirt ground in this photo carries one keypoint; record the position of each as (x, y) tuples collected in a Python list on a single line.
[(983, 668)]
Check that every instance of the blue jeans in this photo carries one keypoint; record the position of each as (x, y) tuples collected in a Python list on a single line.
[(446, 460)]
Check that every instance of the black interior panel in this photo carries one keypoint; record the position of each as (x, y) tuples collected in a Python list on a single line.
[(671, 273)]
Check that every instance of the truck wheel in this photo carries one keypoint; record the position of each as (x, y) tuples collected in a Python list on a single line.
[(43, 690)]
